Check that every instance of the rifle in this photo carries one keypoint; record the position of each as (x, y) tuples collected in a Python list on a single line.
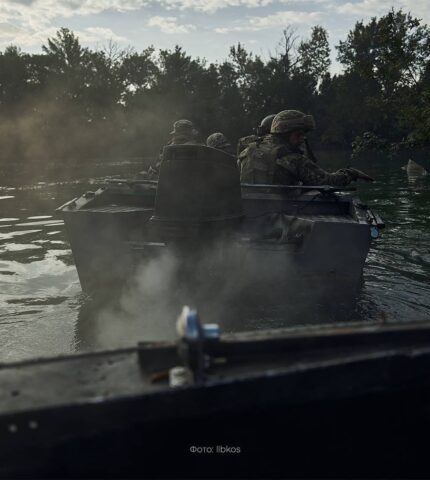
[(358, 174), (309, 151)]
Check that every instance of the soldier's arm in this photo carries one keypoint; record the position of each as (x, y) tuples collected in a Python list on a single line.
[(239, 148), (310, 173)]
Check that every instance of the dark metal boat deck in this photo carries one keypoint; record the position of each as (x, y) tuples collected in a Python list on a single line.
[(348, 401)]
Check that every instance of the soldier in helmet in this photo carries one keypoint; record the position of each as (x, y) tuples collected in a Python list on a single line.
[(262, 130), (219, 140), (279, 157), (183, 133)]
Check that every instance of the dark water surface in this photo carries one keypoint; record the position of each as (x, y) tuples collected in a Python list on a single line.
[(43, 311)]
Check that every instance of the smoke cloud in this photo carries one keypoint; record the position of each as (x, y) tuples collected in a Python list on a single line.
[(230, 283)]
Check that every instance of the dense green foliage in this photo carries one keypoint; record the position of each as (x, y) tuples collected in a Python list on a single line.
[(75, 103)]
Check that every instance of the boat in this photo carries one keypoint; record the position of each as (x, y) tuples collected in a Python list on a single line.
[(239, 240), (347, 400)]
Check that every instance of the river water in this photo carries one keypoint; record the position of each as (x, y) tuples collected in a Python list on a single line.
[(44, 313)]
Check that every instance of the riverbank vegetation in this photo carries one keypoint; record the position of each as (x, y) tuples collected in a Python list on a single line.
[(70, 102)]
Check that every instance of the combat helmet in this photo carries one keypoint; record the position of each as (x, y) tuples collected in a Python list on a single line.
[(265, 125), (218, 140), (183, 127), (290, 120)]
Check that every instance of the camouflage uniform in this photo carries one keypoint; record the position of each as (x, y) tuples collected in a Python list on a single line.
[(244, 142), (257, 162), (272, 160), (262, 130), (295, 168)]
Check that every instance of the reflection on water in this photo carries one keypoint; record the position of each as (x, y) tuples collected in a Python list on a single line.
[(43, 311), (397, 272)]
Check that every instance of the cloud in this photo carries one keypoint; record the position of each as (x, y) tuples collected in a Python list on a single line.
[(279, 19), (24, 38), (39, 13), (69, 8), (366, 7), (28, 23), (418, 8), (9, 31), (211, 6), (168, 25), (304, 1), (95, 34)]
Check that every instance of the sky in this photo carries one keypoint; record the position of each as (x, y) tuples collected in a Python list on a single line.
[(204, 28)]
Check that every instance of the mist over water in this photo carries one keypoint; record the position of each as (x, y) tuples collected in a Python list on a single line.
[(43, 311)]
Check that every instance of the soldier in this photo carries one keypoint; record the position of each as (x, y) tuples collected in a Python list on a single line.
[(279, 157), (219, 140), (183, 133), (262, 130)]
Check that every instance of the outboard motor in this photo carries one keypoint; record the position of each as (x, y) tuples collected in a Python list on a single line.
[(198, 194)]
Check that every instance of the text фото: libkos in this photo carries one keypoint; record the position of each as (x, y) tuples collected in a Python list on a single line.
[(214, 449)]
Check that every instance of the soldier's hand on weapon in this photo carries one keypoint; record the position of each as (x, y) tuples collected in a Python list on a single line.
[(358, 174)]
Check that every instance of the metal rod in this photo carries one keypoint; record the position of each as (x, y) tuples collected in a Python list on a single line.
[(322, 188), (130, 182)]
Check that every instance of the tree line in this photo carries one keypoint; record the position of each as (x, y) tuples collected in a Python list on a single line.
[(74, 103)]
